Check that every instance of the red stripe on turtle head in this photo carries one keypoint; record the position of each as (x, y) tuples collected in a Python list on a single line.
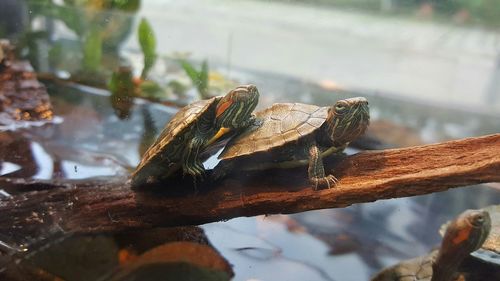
[(462, 235), (223, 105), (229, 99)]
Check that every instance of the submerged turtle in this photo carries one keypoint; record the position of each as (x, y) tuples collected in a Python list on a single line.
[(294, 134), (484, 263), (191, 130), (463, 235)]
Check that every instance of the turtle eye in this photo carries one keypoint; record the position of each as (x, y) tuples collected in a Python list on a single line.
[(340, 108), (479, 219)]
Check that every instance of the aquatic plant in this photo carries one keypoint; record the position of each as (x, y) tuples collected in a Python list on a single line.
[(198, 78), (147, 41)]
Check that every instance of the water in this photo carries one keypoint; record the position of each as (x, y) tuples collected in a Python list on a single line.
[(341, 244), (90, 141), (338, 244)]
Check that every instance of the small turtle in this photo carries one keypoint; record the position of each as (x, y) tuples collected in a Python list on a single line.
[(485, 261), (192, 129), (463, 235), (294, 134)]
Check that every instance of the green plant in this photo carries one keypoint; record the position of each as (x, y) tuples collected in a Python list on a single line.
[(92, 51), (100, 26), (198, 78), (147, 41)]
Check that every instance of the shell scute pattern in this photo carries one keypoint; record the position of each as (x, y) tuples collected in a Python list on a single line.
[(289, 135), (174, 131), (305, 108), (305, 129), (321, 113), (291, 120), (283, 123), (263, 143), (277, 140), (277, 112), (316, 122)]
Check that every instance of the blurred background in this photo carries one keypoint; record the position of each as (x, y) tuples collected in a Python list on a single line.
[(447, 52), (117, 70)]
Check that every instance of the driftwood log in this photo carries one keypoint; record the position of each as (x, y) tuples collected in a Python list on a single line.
[(83, 207)]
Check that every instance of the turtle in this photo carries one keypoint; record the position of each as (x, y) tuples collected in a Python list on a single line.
[(191, 130), (464, 235), (295, 134), (485, 261)]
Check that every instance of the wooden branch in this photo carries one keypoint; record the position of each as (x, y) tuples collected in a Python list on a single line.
[(364, 177)]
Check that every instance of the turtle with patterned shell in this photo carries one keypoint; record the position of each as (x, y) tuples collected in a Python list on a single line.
[(191, 130), (293, 134), (466, 238)]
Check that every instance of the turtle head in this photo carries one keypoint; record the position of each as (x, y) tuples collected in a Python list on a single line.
[(471, 228), (347, 119), (235, 108), (462, 236), (478, 218)]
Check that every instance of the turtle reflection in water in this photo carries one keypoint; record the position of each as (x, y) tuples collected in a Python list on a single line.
[(191, 130), (463, 235), (294, 134)]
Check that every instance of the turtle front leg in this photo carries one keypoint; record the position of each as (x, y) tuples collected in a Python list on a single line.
[(316, 170), (191, 163)]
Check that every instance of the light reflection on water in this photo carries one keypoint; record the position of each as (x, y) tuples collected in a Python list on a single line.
[(8, 167), (338, 244), (252, 245), (43, 160)]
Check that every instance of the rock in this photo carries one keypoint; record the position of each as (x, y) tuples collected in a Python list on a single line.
[(22, 96)]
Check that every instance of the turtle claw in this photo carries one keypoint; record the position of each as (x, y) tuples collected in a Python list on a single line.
[(250, 122), (196, 170), (254, 121), (328, 181)]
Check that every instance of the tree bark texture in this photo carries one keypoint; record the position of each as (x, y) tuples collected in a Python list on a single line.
[(101, 206)]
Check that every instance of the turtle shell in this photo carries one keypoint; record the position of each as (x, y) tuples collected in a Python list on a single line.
[(282, 123), (416, 269), (161, 156)]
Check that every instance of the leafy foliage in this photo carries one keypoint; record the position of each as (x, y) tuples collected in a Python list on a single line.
[(92, 51), (99, 31), (126, 5), (153, 90), (147, 41), (92, 58), (199, 78)]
